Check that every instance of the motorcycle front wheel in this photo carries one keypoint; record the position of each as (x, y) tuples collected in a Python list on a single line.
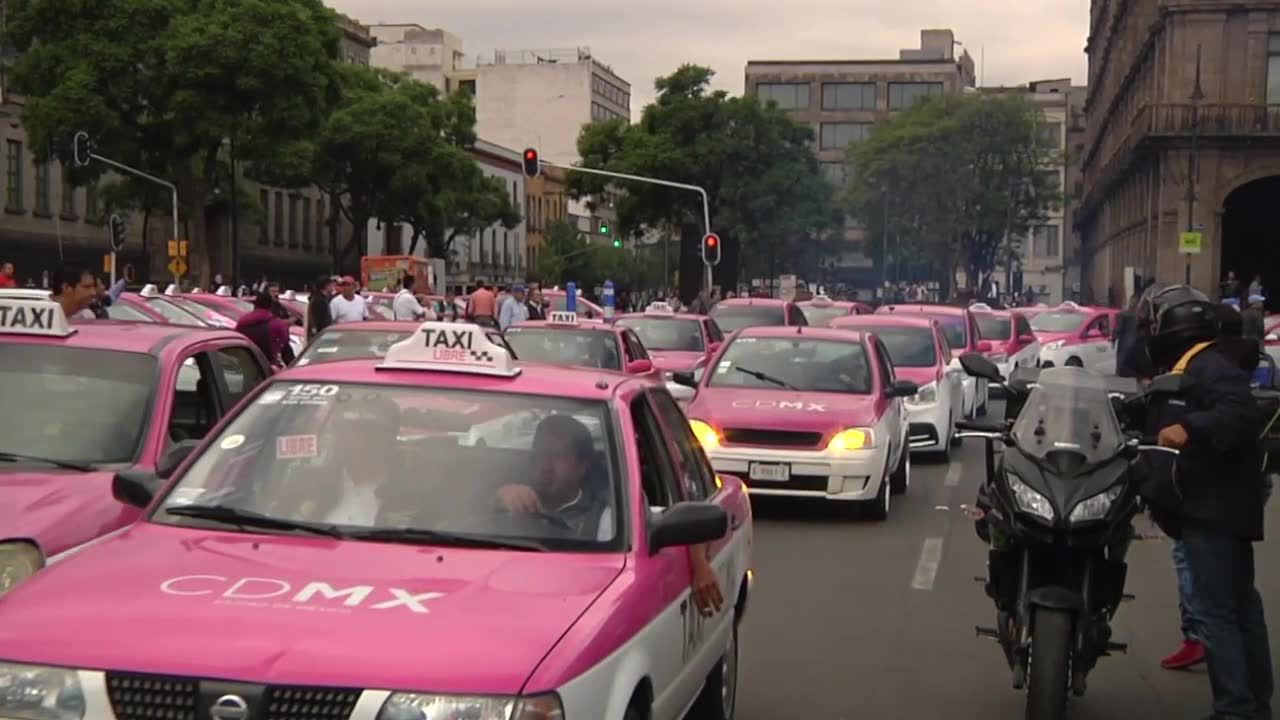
[(1050, 664)]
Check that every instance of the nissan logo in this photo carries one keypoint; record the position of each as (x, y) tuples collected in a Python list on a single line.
[(229, 707)]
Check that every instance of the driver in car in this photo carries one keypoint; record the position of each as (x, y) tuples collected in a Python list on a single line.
[(567, 481)]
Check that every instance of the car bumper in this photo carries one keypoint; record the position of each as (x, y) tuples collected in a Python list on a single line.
[(927, 426), (846, 477)]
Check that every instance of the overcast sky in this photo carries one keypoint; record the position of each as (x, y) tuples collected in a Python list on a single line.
[(1023, 39)]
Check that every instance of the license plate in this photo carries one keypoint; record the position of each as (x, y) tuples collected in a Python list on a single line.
[(771, 472)]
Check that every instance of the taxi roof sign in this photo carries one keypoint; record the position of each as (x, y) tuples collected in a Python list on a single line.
[(450, 347), (31, 316), (980, 307), (659, 308), (560, 317), (223, 291), (149, 291), (171, 290), (1068, 305), (820, 300), (288, 295)]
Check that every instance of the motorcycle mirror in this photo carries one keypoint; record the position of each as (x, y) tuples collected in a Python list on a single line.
[(977, 365)]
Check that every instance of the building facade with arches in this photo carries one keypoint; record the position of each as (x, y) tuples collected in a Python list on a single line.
[(1183, 135)]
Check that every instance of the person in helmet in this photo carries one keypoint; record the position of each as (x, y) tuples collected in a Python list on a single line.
[(1217, 510)]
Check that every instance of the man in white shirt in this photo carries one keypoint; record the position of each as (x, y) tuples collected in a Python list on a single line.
[(347, 306), (364, 461), (512, 310), (406, 305)]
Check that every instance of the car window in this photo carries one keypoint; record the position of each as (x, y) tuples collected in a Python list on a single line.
[(1058, 321), (1102, 325), (74, 404), (345, 342), (240, 371), (696, 475), (128, 313), (173, 313), (194, 409), (732, 318), (821, 316), (411, 457), (795, 363), (907, 346), (797, 316), (714, 333), (1023, 327), (657, 469), (635, 348), (946, 346), (994, 327), (675, 334), (556, 346), (886, 365)]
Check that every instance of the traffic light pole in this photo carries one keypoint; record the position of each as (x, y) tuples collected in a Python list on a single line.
[(173, 189), (706, 204)]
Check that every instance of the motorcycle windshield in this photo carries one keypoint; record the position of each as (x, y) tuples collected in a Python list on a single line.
[(1068, 411)]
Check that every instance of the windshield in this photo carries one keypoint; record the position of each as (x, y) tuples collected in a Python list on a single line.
[(414, 459), (344, 344), (677, 334), (124, 311), (579, 348), (994, 327), (794, 363), (820, 316), (732, 318), (74, 404), (174, 313), (908, 347), (1058, 321), (1068, 409), (210, 315)]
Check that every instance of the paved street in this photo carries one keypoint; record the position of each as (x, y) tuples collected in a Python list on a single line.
[(851, 620)]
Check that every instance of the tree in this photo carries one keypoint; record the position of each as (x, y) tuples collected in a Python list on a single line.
[(768, 200), (470, 203), (163, 84), (957, 177)]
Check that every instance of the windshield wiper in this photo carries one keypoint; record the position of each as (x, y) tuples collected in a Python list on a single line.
[(439, 537), (251, 519), (765, 377), (18, 457)]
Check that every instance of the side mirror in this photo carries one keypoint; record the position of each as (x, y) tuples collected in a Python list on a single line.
[(985, 346), (687, 523), (977, 365), (136, 488), (173, 457), (1026, 338), (902, 389), (1169, 384), (682, 393), (635, 367), (687, 379)]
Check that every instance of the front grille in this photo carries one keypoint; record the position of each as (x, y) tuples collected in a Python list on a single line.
[(158, 697), (772, 438)]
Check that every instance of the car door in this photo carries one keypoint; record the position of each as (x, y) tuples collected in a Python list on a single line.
[(238, 370), (1029, 347), (893, 420)]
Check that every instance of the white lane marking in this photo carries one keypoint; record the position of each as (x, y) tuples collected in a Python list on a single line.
[(954, 474), (927, 568)]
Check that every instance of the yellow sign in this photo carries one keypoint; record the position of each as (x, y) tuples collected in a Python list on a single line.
[(178, 267), (178, 248), (183, 246), (1189, 243), (106, 263)]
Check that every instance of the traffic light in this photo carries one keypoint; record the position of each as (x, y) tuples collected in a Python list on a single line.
[(81, 149), (532, 165), (711, 249), (617, 242), (117, 233), (604, 228)]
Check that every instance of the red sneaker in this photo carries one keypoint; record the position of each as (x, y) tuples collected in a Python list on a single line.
[(1191, 653)]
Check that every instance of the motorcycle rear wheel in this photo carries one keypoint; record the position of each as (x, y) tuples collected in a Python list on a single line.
[(1050, 664)]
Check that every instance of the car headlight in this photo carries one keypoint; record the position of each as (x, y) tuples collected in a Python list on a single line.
[(852, 439), (707, 435), (1051, 346), (926, 395), (32, 692), (421, 706), (1028, 500), (18, 561), (1097, 506)]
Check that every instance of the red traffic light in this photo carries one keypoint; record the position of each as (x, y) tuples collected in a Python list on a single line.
[(712, 241), (532, 166), (711, 249)]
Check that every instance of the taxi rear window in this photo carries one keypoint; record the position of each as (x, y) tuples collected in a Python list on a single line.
[(794, 363), (334, 345), (414, 459), (1058, 321), (555, 346), (821, 316), (993, 327), (75, 405), (675, 334), (731, 318)]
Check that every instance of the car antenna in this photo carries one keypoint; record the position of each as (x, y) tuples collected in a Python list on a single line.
[(602, 384)]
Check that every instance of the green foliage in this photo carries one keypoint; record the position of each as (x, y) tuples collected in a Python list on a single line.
[(955, 177)]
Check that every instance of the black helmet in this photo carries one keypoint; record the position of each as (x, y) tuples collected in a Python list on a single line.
[(1158, 298), (1180, 326)]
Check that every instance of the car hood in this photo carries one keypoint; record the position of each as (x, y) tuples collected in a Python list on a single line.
[(302, 611), (676, 360), (59, 509), (783, 410)]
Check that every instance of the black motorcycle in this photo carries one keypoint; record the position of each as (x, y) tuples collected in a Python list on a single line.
[(1056, 510)]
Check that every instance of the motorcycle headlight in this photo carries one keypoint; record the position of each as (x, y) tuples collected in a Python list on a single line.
[(852, 439), (1051, 346), (18, 561), (32, 692), (1029, 501), (707, 435), (421, 706), (926, 395), (1095, 507)]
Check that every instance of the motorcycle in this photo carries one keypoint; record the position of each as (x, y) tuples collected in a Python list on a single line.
[(1056, 509)]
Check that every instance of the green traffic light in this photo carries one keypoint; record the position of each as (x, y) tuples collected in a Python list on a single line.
[(617, 243), (604, 229)]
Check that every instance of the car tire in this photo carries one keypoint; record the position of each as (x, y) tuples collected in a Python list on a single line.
[(878, 508), (1074, 362), (719, 697), (900, 480)]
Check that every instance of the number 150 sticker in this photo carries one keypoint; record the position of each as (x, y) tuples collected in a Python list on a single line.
[(302, 394)]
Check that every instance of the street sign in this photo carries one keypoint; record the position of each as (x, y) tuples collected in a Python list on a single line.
[(178, 267), (109, 263), (1190, 243), (178, 248)]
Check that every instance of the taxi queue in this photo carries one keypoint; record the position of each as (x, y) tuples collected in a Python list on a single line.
[(564, 507)]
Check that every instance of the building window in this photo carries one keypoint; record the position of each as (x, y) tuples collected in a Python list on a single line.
[(68, 198), (306, 223), (1273, 69), (264, 198), (1044, 243), (43, 189), (277, 231), (904, 95), (848, 96), (789, 96), (293, 221), (836, 173), (1051, 134), (13, 177), (468, 86), (837, 136)]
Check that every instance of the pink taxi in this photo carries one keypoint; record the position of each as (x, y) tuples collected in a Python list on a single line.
[(225, 303), (737, 313), (82, 401), (676, 343), (960, 327), (918, 350), (1271, 341), (327, 564), (558, 299), (807, 412), (1077, 335), (367, 340), (1014, 343), (821, 310), (565, 339)]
